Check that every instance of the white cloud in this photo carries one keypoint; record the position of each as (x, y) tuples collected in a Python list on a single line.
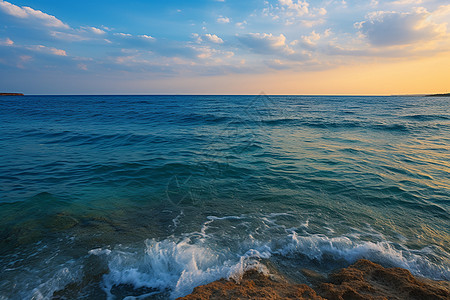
[(223, 20), (321, 11), (122, 34), (48, 50), (95, 30), (312, 38), (147, 37), (407, 2), (264, 43), (383, 28), (12, 9), (241, 24), (213, 55), (298, 8), (213, 38), (26, 12), (312, 23), (71, 37), (6, 42), (442, 11), (295, 12)]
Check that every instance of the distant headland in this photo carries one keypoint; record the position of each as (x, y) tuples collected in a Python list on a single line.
[(423, 95), (11, 94), (439, 95)]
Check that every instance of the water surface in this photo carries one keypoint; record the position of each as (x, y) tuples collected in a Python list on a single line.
[(150, 196)]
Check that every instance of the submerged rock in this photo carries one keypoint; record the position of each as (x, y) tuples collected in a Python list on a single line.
[(362, 280), (367, 280), (253, 285)]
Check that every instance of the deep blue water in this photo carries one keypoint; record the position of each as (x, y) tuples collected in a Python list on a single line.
[(150, 196)]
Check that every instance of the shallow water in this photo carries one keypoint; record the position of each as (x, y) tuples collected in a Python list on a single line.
[(150, 196)]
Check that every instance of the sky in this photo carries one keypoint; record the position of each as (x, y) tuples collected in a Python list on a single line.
[(321, 47)]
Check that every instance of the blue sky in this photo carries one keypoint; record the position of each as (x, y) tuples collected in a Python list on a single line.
[(224, 47)]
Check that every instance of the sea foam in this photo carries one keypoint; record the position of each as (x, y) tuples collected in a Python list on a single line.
[(176, 265)]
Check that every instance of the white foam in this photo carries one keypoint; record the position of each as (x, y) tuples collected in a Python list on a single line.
[(99, 251), (178, 265), (176, 220), (225, 249), (342, 247)]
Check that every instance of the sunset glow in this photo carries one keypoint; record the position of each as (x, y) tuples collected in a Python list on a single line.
[(225, 47)]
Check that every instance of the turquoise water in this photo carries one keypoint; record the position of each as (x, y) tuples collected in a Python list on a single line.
[(109, 197)]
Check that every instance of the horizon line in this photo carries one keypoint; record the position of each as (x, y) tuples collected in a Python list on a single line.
[(256, 94)]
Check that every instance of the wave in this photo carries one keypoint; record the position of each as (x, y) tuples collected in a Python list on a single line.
[(426, 117), (223, 247), (175, 265), (317, 247), (208, 118), (336, 124)]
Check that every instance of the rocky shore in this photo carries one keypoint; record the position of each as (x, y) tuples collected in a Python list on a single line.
[(11, 94), (362, 280), (439, 95)]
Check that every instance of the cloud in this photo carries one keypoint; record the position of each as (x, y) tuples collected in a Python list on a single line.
[(383, 28), (305, 46), (278, 64), (223, 20), (33, 48), (442, 11), (407, 2), (95, 30), (147, 37), (6, 42), (298, 8), (70, 37), (124, 35), (241, 24), (48, 50), (213, 38), (292, 12), (84, 33), (310, 41), (312, 23), (264, 43), (28, 13), (213, 54)]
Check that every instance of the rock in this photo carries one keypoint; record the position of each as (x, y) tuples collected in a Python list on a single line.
[(362, 280), (439, 95), (367, 280), (11, 94), (253, 285)]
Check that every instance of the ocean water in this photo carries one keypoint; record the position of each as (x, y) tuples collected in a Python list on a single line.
[(146, 197)]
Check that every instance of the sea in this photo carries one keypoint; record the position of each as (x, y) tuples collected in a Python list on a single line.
[(147, 197)]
